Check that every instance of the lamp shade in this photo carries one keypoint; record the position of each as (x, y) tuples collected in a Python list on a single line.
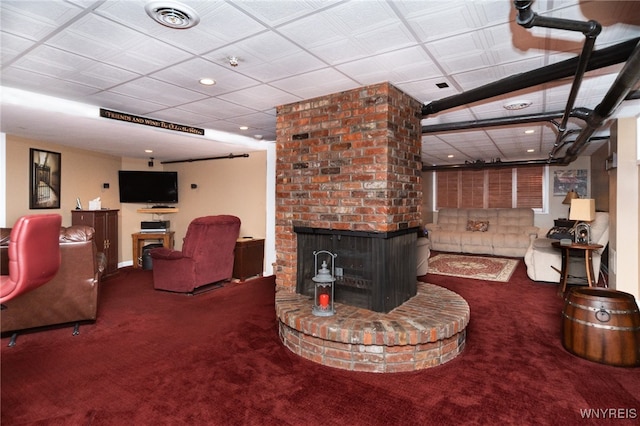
[(572, 194), (583, 209)]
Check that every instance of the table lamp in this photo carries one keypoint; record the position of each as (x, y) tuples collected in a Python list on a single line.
[(571, 195), (583, 210)]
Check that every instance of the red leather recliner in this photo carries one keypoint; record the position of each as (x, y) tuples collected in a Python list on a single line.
[(207, 255), (34, 254)]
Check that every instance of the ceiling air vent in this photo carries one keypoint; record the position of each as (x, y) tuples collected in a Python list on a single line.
[(172, 14)]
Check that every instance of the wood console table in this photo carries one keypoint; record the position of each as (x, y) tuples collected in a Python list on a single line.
[(139, 238), (588, 264)]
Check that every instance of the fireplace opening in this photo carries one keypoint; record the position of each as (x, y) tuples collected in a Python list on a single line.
[(374, 270)]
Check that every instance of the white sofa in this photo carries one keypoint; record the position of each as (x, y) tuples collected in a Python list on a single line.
[(500, 232), (422, 252), (541, 258)]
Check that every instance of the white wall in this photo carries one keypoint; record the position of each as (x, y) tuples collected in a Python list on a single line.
[(624, 249)]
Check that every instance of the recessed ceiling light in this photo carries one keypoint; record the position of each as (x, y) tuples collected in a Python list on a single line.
[(450, 156), (244, 127), (207, 81), (148, 151), (529, 132), (531, 150), (172, 14), (519, 104)]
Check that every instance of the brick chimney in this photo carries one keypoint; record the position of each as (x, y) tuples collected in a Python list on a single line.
[(348, 161)]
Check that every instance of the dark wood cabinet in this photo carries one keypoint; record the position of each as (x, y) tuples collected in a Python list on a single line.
[(249, 258), (105, 224)]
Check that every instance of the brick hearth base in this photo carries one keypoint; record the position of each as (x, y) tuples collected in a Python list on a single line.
[(426, 331)]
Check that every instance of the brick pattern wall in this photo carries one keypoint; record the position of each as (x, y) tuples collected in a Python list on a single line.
[(426, 331), (349, 160)]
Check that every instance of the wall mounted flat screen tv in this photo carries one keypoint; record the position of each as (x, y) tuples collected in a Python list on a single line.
[(148, 187)]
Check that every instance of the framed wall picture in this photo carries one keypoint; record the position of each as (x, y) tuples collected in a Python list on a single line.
[(566, 180), (44, 179)]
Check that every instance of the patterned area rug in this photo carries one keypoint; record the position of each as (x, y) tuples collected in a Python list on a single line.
[(475, 267)]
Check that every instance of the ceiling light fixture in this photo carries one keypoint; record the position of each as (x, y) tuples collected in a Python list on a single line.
[(207, 81), (233, 61), (244, 127), (172, 14), (531, 150), (529, 132), (515, 105)]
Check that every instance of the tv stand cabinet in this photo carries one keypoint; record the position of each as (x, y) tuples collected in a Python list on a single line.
[(159, 211), (105, 224)]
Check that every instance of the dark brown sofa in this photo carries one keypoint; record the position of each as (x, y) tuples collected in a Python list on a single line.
[(71, 296)]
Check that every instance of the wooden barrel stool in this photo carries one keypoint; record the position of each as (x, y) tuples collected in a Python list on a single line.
[(602, 325)]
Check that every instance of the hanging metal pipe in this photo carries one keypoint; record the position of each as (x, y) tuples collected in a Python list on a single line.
[(491, 165), (528, 19), (627, 79), (582, 66), (493, 122), (191, 160), (599, 59), (501, 164)]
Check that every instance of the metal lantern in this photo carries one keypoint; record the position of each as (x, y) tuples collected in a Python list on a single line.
[(323, 288)]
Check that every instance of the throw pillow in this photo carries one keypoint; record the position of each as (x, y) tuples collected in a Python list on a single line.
[(477, 225)]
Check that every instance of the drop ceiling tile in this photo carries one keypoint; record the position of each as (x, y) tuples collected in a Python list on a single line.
[(461, 53), (217, 108), (426, 90), (161, 92), (220, 24), (98, 38), (312, 31), (438, 20), (122, 103), (260, 98), (285, 12), (453, 115), (266, 57), (40, 83), (12, 46), (405, 65), (102, 76), (315, 83), (52, 62), (350, 17), (35, 19), (87, 47), (178, 116), (188, 73)]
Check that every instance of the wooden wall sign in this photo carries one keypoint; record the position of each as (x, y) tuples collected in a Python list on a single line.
[(122, 116)]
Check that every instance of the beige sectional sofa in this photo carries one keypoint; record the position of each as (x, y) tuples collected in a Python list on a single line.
[(500, 232)]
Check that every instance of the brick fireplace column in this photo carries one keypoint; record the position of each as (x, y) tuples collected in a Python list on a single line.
[(346, 161)]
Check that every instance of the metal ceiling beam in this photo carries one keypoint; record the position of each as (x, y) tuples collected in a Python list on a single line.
[(599, 59), (495, 122), (627, 79), (479, 164)]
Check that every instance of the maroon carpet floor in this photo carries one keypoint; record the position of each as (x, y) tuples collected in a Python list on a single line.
[(215, 359)]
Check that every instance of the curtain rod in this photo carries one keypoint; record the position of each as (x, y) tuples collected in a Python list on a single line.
[(191, 160)]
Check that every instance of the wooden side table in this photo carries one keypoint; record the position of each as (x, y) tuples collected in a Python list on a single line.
[(249, 258), (588, 263), (139, 238)]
